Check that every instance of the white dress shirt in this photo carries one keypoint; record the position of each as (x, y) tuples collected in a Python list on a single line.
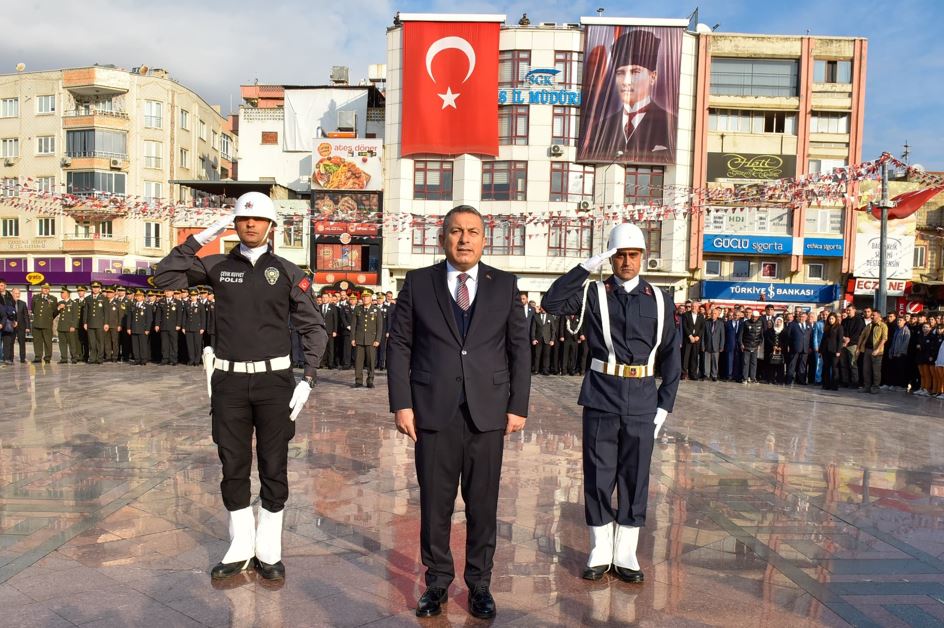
[(452, 280), (253, 255), (630, 284), (635, 115)]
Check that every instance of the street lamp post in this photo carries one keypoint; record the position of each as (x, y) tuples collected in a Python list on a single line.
[(881, 294), (606, 170)]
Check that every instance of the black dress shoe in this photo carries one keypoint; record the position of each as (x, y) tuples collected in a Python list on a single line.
[(370, 384), (270, 572), (357, 385), (430, 603), (37, 361), (628, 575), (481, 602), (595, 573), (225, 570)]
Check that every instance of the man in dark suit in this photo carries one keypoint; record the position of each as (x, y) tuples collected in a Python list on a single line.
[(459, 380), (640, 129), (22, 324), (767, 323), (713, 343), (330, 314), (732, 350), (799, 341), (346, 319), (9, 327), (543, 331), (693, 328)]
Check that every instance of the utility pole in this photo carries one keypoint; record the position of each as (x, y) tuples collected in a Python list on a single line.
[(881, 294)]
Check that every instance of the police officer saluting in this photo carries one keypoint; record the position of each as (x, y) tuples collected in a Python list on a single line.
[(628, 324), (252, 386)]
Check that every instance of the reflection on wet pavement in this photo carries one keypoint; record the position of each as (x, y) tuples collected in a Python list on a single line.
[(768, 506)]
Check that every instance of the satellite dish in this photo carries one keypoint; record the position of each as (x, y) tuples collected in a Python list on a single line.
[(702, 29), (918, 168), (20, 67), (143, 70)]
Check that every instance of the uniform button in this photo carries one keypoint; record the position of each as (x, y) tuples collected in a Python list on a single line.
[(464, 352), (458, 379)]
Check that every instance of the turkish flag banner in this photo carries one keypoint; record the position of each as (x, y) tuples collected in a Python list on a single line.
[(450, 88)]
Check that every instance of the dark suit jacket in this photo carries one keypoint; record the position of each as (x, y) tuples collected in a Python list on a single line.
[(798, 340), (712, 340), (731, 335), (546, 332), (331, 319), (652, 140), (692, 328), (429, 364)]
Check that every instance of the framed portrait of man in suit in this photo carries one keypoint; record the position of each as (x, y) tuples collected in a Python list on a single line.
[(630, 94)]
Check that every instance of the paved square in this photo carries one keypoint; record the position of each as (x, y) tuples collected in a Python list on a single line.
[(768, 506)]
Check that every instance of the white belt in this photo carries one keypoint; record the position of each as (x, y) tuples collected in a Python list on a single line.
[(262, 366), (621, 370)]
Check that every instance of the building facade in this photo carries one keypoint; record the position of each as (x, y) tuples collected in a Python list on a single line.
[(771, 108), (88, 160)]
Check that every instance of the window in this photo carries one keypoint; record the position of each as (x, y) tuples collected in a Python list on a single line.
[(815, 271), (152, 154), (83, 229), (652, 232), (513, 125), (184, 119), (226, 144), (105, 229), (747, 121), (762, 218), (712, 268), (823, 122), (46, 104), (270, 137), (754, 77), (425, 238), (184, 158), (45, 227), (741, 269), (921, 256), (46, 184), (153, 114), (292, 233), (214, 140), (153, 192), (432, 180), (504, 180), (822, 166), (10, 187), (10, 147), (832, 71), (46, 145), (9, 107), (502, 237), (513, 65), (152, 235), (643, 185), (10, 227), (570, 66), (569, 238), (768, 270), (570, 182), (823, 220), (564, 124), (85, 183), (97, 143), (203, 129)]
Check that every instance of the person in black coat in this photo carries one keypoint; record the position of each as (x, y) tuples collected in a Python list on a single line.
[(799, 342), (543, 334), (831, 349), (775, 349), (330, 314), (459, 380), (693, 328)]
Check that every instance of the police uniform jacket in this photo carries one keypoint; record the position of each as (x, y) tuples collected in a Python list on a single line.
[(166, 314), (254, 302), (68, 316), (93, 314), (194, 316), (368, 324), (633, 325), (44, 310), (139, 318), (564, 331), (210, 309)]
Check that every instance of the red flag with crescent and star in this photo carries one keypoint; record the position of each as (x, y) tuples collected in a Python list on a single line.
[(450, 88)]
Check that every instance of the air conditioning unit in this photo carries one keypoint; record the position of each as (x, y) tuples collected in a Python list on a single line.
[(584, 206), (654, 263), (548, 24), (115, 164), (347, 121), (9, 161), (556, 150), (340, 75), (65, 162)]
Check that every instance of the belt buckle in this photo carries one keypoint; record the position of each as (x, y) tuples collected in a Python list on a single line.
[(250, 367)]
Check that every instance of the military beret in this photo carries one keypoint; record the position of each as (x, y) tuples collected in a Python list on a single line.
[(96, 284)]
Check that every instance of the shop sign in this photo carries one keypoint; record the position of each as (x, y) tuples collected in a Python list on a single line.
[(893, 287), (772, 292), (823, 247), (748, 245), (725, 166), (540, 82)]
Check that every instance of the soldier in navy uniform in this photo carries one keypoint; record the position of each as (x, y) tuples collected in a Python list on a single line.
[(124, 340), (194, 326), (384, 309), (82, 298), (629, 324), (166, 322), (138, 321)]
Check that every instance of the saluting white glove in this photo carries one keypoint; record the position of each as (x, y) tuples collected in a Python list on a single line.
[(213, 231), (299, 397), (208, 357), (596, 262), (659, 420)]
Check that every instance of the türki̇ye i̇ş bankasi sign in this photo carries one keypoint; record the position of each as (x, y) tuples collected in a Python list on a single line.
[(540, 91)]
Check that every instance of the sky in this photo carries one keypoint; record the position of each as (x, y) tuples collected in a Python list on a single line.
[(213, 47)]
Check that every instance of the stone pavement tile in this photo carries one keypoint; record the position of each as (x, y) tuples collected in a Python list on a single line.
[(238, 601), (349, 607), (118, 603), (50, 585), (10, 597), (130, 522), (150, 615), (33, 616)]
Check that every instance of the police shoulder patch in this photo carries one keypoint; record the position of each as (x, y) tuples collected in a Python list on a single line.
[(304, 284)]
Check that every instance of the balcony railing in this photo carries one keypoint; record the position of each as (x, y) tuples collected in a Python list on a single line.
[(94, 243), (81, 113), (96, 153)]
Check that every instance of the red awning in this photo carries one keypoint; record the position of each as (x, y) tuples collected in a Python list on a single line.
[(906, 204)]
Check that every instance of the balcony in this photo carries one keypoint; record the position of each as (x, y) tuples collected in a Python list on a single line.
[(85, 118), (96, 81), (94, 244)]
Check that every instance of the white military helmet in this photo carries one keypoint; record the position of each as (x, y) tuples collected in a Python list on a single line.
[(626, 236), (255, 205)]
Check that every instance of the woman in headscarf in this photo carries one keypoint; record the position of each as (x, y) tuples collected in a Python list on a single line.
[(775, 346), (830, 349)]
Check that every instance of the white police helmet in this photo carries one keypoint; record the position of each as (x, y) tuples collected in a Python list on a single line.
[(626, 236), (255, 205)]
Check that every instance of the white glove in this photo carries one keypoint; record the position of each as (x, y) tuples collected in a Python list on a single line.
[(299, 397), (596, 262), (208, 358), (659, 420), (213, 231)]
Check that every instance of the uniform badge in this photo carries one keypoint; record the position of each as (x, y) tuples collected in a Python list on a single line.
[(271, 275)]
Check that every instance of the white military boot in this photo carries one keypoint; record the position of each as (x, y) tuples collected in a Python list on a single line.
[(601, 551), (269, 545), (625, 564), (242, 537)]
